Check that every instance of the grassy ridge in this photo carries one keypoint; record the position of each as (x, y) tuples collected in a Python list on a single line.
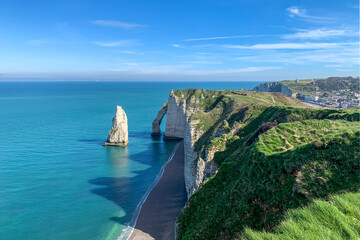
[(310, 86), (233, 106), (336, 219), (279, 158)]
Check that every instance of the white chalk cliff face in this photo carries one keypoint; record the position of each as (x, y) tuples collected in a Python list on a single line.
[(179, 126), (157, 121), (118, 135), (273, 87), (175, 120)]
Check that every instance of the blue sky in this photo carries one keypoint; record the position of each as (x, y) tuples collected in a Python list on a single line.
[(178, 40)]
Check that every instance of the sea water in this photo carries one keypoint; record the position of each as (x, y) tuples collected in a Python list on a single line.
[(57, 181)]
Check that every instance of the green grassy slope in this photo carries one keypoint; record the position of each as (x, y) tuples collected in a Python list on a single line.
[(277, 158), (336, 219), (235, 107)]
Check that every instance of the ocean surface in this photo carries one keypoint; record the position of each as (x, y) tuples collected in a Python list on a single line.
[(57, 181)]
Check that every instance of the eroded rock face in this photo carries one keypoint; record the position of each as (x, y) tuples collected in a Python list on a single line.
[(176, 117), (193, 164), (273, 87), (157, 121), (180, 126), (118, 135)]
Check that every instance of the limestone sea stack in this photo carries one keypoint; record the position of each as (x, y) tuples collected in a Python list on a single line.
[(118, 135)]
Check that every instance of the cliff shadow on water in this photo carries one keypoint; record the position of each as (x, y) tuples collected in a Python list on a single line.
[(127, 191)]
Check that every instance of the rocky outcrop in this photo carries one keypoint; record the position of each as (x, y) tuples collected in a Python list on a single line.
[(157, 121), (180, 126), (193, 164), (273, 87), (118, 135), (176, 117)]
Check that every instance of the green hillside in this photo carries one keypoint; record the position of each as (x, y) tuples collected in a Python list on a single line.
[(336, 219), (277, 161), (229, 107), (329, 86)]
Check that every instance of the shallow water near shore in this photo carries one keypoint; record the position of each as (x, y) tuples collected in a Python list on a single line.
[(57, 181)]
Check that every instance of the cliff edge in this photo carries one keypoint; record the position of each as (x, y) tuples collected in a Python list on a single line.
[(200, 117)]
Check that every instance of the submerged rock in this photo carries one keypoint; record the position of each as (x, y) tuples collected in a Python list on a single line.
[(118, 135)]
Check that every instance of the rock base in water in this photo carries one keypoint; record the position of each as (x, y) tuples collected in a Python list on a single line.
[(118, 135), (116, 144)]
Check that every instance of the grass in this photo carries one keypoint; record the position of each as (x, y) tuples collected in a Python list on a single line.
[(231, 106), (336, 219)]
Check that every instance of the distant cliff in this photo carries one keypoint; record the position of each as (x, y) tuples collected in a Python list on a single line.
[(323, 87), (273, 87)]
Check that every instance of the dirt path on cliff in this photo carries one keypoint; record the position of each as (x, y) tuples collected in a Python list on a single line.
[(159, 212)]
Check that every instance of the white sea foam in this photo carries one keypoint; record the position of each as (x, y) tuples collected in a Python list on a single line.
[(126, 232)]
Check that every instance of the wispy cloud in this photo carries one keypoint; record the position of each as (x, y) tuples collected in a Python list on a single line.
[(232, 71), (296, 12), (344, 55), (204, 62), (225, 37), (275, 46), (334, 65), (320, 33), (183, 70), (117, 24), (121, 43), (129, 52), (175, 45)]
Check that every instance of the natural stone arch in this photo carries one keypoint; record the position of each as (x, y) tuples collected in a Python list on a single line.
[(157, 121)]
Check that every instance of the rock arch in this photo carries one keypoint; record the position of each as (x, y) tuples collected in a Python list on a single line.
[(157, 121)]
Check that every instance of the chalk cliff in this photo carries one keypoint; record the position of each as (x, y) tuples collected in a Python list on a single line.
[(118, 135), (205, 120), (175, 109), (176, 117), (179, 109), (157, 121), (273, 87)]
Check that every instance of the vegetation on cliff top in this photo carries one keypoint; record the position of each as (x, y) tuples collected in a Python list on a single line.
[(219, 105), (277, 161), (311, 86), (336, 219)]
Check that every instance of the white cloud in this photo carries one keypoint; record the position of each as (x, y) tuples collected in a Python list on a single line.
[(274, 46), (225, 37), (344, 55), (293, 11), (334, 65), (118, 24), (120, 43), (296, 12), (320, 33), (231, 71), (128, 52), (175, 45), (204, 62)]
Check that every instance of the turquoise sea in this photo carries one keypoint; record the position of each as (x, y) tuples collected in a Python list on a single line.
[(57, 181)]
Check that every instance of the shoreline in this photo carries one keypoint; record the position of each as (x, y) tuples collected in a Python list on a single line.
[(162, 204)]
